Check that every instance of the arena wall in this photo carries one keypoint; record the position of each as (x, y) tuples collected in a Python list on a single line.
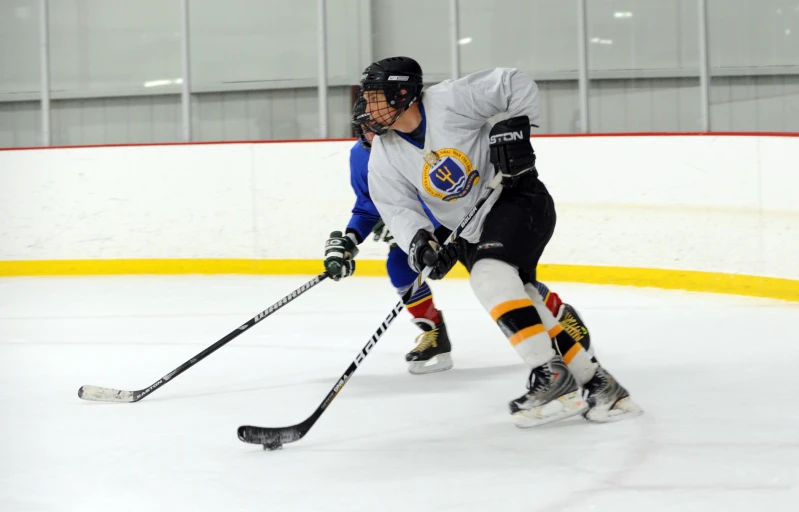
[(716, 213)]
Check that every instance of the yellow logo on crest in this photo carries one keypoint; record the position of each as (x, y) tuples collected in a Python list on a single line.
[(431, 158), (448, 174)]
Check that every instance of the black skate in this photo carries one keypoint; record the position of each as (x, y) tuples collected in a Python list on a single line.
[(608, 400), (432, 352), (553, 395)]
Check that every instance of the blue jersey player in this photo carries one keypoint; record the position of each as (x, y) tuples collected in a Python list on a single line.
[(432, 352)]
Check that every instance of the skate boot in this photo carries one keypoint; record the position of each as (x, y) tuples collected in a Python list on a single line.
[(432, 352), (608, 400), (553, 395)]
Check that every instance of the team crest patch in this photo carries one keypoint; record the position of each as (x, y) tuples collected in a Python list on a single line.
[(450, 176)]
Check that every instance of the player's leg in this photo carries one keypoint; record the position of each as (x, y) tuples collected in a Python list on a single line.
[(572, 340), (433, 349), (514, 235), (607, 399)]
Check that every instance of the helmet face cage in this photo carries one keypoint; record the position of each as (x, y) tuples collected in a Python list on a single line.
[(359, 119), (396, 104)]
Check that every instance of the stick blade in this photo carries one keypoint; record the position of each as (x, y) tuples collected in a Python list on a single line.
[(270, 438), (98, 394)]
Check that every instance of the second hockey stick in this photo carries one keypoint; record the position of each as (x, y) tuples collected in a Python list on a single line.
[(100, 394), (274, 438)]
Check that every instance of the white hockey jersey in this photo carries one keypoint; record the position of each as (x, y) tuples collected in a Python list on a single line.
[(452, 170)]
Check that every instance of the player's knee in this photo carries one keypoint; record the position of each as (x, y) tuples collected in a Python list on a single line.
[(492, 281), (399, 272)]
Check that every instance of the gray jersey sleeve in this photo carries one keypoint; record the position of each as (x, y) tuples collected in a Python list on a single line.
[(484, 94), (396, 200)]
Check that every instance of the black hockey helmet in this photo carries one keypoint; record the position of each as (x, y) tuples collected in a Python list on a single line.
[(392, 76), (360, 118)]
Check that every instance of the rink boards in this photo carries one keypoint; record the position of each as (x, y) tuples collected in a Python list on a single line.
[(697, 212)]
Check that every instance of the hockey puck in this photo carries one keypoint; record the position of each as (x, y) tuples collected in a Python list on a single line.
[(274, 445)]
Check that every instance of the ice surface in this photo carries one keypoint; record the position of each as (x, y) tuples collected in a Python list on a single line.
[(715, 374)]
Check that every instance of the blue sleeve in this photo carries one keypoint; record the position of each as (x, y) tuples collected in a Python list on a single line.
[(435, 222), (364, 213)]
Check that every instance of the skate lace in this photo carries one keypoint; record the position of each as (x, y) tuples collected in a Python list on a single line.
[(426, 340), (603, 383), (539, 380)]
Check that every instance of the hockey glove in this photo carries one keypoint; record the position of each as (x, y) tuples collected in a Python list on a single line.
[(339, 253), (510, 149), (425, 251), (381, 232)]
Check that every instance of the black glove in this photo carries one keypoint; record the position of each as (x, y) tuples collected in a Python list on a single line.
[(425, 251), (510, 149), (381, 230), (339, 253)]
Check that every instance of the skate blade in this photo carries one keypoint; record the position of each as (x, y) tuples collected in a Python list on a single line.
[(571, 404), (439, 363), (621, 410)]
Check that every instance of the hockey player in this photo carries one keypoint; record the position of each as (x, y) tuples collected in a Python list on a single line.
[(433, 349), (440, 147)]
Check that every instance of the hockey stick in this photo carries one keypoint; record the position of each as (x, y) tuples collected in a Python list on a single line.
[(274, 438), (100, 394)]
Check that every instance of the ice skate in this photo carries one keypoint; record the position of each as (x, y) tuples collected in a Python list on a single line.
[(553, 395), (608, 400), (432, 352)]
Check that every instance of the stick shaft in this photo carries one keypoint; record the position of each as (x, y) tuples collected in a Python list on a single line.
[(270, 436), (113, 395)]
